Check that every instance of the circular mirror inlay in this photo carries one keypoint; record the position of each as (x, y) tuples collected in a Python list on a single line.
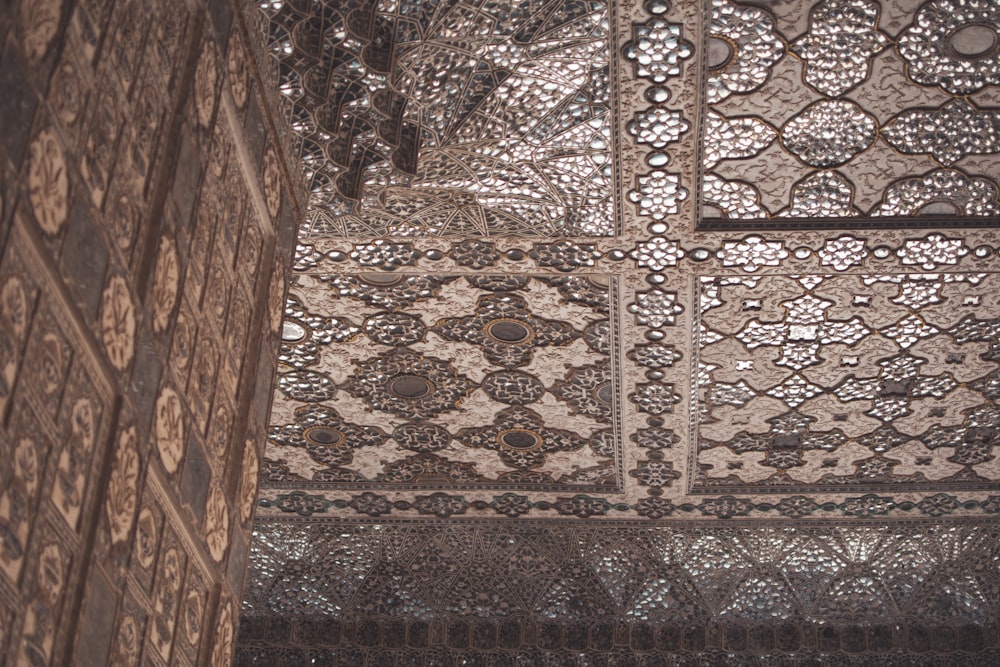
[(719, 52), (939, 208), (657, 159), (292, 332), (381, 278), (321, 435), (409, 386), (508, 331), (520, 439), (657, 6), (973, 40), (604, 393), (657, 95), (882, 251)]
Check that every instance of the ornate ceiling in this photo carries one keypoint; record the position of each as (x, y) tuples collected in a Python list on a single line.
[(614, 321)]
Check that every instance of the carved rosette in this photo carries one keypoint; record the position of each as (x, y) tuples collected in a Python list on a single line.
[(272, 182), (48, 182), (205, 83), (166, 282), (222, 646), (123, 486), (169, 429), (248, 481), (506, 329), (217, 523), (520, 439), (408, 384), (118, 323), (40, 22)]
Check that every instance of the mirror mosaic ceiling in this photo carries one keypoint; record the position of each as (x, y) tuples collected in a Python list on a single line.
[(636, 315)]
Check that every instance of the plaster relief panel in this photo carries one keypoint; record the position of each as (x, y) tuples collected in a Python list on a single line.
[(852, 109), (840, 382), (410, 381)]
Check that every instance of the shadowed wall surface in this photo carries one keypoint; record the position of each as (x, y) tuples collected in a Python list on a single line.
[(146, 221)]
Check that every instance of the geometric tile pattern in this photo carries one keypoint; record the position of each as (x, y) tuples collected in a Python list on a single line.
[(855, 382), (521, 401), (853, 108), (493, 595)]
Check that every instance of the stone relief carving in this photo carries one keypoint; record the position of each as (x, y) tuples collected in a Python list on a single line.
[(118, 323), (48, 182)]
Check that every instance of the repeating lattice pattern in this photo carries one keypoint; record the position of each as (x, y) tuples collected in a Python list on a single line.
[(461, 119), (785, 124), (558, 588)]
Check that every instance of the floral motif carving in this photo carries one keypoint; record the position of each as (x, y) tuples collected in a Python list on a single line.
[(513, 387), (474, 254), (224, 637), (655, 398), (733, 138), (166, 282), (752, 253), (394, 328), (146, 538), (734, 199), (308, 386), (118, 323), (236, 64), (217, 523), (48, 182), (658, 194), (385, 291), (829, 133), (657, 49), (842, 39), (192, 614), (658, 127), (821, 194), (520, 438), (169, 429), (655, 308), (843, 252), (589, 390), (950, 132), (123, 486), (655, 473), (408, 384), (932, 251), (129, 641), (506, 330), (421, 437), (248, 481), (951, 188), (271, 179), (934, 52), (40, 21), (657, 253), (564, 255), (325, 436), (753, 48), (205, 85)]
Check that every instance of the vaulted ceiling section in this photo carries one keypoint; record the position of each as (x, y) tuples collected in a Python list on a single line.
[(630, 333)]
